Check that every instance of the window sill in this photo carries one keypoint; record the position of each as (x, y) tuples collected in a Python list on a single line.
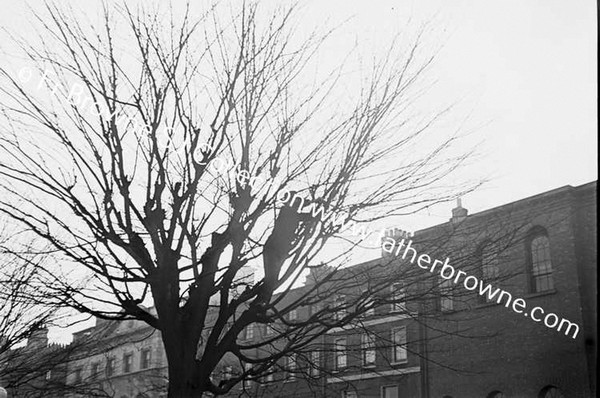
[(369, 366), (444, 312), (541, 294), (488, 304), (397, 363)]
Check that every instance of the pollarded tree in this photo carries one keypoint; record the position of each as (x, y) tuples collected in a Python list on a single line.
[(159, 153)]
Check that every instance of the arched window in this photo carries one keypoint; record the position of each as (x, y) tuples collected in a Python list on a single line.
[(550, 392), (540, 264), (489, 267), (495, 394), (446, 295)]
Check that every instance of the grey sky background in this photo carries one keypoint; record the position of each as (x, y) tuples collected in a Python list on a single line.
[(526, 71)]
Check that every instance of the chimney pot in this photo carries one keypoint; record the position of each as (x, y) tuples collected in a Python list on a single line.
[(459, 213)]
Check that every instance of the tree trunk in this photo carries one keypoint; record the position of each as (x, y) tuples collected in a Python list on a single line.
[(182, 383), (182, 389), (181, 359)]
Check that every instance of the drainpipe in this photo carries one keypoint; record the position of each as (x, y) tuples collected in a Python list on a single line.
[(424, 355), (323, 359)]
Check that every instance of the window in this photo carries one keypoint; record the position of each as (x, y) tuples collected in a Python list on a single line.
[(446, 296), (398, 297), (145, 358), (269, 330), (340, 354), (369, 306), (550, 392), (349, 394), (110, 367), (368, 350), (127, 362), (228, 372), (293, 315), (269, 377), (340, 307), (48, 375), (95, 370), (292, 365), (78, 375), (541, 266), (314, 363), (315, 308), (389, 392), (489, 268), (249, 332), (399, 345), (247, 383)]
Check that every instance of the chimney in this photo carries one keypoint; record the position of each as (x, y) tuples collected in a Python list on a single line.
[(459, 213), (38, 339), (317, 273), (397, 235)]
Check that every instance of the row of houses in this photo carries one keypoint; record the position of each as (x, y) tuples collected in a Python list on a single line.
[(424, 336)]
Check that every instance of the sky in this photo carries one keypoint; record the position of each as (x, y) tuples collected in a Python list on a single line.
[(528, 71), (525, 71)]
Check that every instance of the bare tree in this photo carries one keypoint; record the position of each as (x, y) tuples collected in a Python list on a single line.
[(31, 365), (160, 155), (21, 315)]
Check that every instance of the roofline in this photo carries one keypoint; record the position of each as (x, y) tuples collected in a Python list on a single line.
[(556, 191)]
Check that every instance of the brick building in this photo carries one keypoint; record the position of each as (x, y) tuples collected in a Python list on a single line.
[(119, 359), (35, 369), (424, 336), (546, 254), (447, 341)]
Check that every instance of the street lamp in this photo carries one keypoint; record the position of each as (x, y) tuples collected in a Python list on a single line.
[(3, 393)]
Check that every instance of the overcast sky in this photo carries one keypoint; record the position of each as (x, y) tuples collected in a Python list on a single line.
[(526, 70)]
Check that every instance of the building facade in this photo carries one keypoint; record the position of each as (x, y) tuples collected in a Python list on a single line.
[(449, 341), (545, 249), (36, 369), (424, 336), (118, 359)]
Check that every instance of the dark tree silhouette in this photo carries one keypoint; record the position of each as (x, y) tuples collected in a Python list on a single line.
[(157, 153)]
